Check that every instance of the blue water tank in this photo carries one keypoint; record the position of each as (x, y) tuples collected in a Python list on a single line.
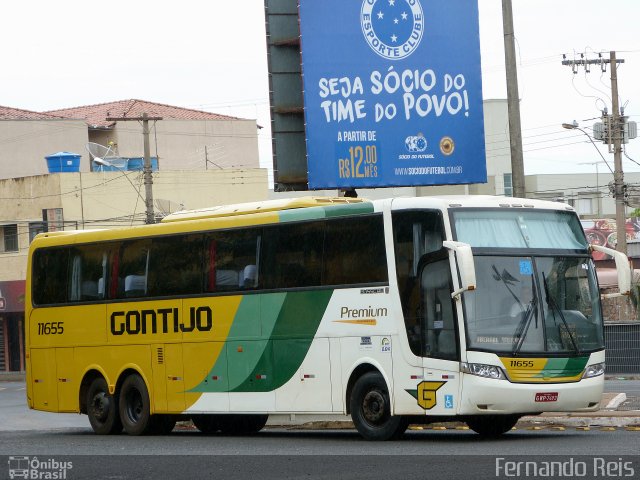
[(63, 162), (137, 163)]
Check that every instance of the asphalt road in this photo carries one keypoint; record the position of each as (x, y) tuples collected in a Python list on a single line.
[(277, 453)]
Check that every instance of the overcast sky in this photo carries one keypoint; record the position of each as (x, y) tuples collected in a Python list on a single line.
[(211, 55)]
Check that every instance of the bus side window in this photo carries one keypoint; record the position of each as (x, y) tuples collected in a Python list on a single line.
[(415, 233), (175, 265), (354, 251), (438, 311), (292, 256), (86, 269), (49, 276), (232, 260), (133, 270)]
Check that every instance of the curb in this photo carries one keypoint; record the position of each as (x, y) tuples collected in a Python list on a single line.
[(616, 401)]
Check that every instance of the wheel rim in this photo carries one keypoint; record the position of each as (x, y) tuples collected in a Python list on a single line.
[(135, 406), (374, 407), (100, 406)]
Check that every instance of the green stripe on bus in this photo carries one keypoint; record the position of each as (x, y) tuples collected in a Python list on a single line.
[(294, 331), (563, 367), (253, 324), (348, 209), (329, 211), (301, 214)]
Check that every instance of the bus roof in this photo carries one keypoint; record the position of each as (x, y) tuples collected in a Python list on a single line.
[(478, 201), (257, 207)]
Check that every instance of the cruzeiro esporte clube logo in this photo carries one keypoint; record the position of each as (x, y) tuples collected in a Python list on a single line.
[(392, 28)]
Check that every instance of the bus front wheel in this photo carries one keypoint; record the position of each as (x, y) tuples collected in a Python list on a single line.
[(492, 426), (371, 409), (134, 406), (102, 408)]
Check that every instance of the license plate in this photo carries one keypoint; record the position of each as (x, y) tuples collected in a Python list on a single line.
[(547, 397)]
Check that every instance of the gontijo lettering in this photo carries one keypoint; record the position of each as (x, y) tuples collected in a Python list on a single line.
[(134, 322)]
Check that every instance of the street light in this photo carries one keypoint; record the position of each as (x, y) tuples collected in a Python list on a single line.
[(574, 126), (619, 189)]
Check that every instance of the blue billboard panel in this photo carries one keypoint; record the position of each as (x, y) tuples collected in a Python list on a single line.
[(392, 92)]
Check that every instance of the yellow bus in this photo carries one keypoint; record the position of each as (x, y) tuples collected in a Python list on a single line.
[(479, 309)]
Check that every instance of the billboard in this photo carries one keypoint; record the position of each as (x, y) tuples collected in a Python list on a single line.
[(392, 92)]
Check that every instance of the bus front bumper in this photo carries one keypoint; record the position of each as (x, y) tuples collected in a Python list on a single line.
[(489, 396)]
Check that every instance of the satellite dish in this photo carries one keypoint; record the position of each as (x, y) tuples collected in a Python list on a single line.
[(99, 152), (106, 155), (166, 207)]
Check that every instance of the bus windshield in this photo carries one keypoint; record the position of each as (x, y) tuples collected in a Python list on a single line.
[(544, 229), (542, 300)]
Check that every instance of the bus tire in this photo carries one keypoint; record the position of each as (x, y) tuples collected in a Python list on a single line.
[(206, 423), (102, 408), (371, 409), (135, 406), (235, 424), (492, 426)]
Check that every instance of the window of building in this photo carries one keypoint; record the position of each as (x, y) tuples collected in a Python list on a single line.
[(35, 228), (9, 237), (584, 205), (508, 185)]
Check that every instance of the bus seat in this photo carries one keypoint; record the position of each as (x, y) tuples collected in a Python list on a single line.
[(89, 290), (101, 287), (226, 278), (248, 277), (135, 285)]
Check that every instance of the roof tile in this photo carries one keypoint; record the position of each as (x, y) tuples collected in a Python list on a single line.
[(96, 115), (9, 113)]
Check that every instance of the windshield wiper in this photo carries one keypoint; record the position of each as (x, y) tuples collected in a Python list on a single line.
[(523, 326), (554, 308)]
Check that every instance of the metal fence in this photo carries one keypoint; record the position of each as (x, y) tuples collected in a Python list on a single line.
[(622, 341)]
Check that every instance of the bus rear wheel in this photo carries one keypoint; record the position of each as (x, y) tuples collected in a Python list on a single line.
[(492, 426), (134, 406), (371, 409), (102, 408)]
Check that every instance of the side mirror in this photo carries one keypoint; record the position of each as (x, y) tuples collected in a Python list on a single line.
[(622, 268), (466, 267)]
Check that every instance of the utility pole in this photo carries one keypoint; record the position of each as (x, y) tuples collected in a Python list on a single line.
[(618, 175), (513, 101), (147, 172), (615, 131)]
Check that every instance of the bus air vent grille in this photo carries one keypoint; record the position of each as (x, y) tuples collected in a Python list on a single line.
[(160, 356)]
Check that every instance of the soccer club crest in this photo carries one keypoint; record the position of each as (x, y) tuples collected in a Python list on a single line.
[(392, 28)]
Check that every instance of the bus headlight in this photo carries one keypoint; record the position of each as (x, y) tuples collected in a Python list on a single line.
[(482, 370), (594, 370)]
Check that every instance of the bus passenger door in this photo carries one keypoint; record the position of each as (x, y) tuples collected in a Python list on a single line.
[(438, 393)]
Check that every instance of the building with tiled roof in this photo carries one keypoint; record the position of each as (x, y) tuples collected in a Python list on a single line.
[(97, 116), (184, 139), (9, 113)]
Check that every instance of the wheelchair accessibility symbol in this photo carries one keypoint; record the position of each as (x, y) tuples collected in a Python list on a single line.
[(448, 401)]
